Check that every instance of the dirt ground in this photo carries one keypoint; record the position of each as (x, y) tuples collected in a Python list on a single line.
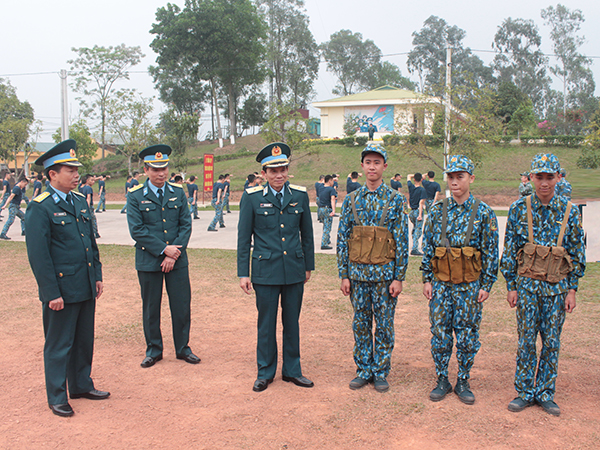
[(175, 405)]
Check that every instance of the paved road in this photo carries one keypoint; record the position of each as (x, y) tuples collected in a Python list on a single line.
[(113, 228)]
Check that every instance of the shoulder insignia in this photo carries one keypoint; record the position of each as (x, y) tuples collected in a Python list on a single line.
[(253, 189), (43, 196), (78, 193), (139, 186), (297, 188), (176, 185)]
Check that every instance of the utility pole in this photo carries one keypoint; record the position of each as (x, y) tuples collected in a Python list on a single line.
[(64, 116), (447, 102)]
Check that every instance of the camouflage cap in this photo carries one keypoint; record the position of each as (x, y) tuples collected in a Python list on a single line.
[(374, 148), (459, 163), (545, 163)]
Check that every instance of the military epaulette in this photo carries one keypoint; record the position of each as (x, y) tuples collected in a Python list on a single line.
[(175, 184), (43, 196), (297, 188), (139, 186), (253, 189), (78, 193)]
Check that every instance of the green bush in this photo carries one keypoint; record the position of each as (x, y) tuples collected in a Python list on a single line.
[(362, 140), (348, 141), (588, 159)]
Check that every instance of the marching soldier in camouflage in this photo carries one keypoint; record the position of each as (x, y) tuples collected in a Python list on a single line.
[(541, 305), (65, 260), (373, 288), (277, 217), (455, 306), (525, 188), (563, 187), (160, 224)]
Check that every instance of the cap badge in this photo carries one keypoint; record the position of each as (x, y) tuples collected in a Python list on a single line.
[(72, 153), (544, 158), (276, 151), (158, 155), (453, 159)]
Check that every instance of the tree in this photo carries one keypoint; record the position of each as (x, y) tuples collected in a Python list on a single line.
[(96, 70), (215, 41), (508, 99), (292, 52), (129, 119), (428, 58), (523, 119), (253, 113), (86, 146), (384, 73), (16, 118), (181, 131), (520, 61), (572, 68), (180, 88), (286, 125), (349, 58)]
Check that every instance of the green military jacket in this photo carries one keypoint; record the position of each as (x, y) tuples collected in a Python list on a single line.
[(283, 236), (61, 247), (154, 226)]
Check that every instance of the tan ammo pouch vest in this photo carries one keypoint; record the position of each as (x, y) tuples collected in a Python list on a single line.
[(371, 244), (457, 265), (541, 262)]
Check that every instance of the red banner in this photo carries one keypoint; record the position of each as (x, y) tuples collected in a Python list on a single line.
[(209, 172)]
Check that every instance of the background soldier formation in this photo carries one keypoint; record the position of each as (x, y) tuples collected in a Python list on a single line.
[(372, 252)]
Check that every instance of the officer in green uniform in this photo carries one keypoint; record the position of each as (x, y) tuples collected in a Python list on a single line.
[(64, 258), (278, 217), (159, 222)]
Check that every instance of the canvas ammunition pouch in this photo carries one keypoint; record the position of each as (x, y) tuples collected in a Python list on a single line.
[(541, 262), (371, 244), (457, 265)]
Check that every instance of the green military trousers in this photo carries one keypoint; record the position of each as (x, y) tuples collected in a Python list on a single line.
[(267, 302), (68, 350), (177, 282)]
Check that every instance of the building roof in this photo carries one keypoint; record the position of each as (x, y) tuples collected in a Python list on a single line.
[(383, 94)]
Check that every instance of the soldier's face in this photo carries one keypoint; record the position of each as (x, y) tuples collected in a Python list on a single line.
[(66, 179), (157, 176), (524, 179), (459, 184), (276, 176), (544, 185), (373, 165)]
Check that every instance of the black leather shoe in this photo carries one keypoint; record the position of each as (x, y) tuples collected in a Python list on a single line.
[(94, 394), (463, 390), (299, 381), (190, 358), (358, 383), (63, 410), (439, 392), (149, 361), (261, 384), (381, 384)]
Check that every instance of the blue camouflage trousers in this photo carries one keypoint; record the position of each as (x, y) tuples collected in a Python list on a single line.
[(372, 300), (14, 210), (193, 207), (454, 311), (327, 220), (4, 199), (102, 202), (546, 315), (226, 202), (417, 228), (218, 214)]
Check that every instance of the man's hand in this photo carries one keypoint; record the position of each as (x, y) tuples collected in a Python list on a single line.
[(427, 290), (246, 285), (511, 298), (483, 296), (395, 288), (345, 288), (167, 264), (99, 289), (57, 304), (172, 251), (307, 276), (570, 301)]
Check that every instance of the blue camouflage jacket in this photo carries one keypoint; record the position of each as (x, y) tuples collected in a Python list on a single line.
[(547, 221)]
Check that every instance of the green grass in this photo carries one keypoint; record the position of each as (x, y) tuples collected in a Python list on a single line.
[(498, 173)]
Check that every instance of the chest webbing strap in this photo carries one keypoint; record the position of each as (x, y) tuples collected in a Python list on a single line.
[(383, 215), (445, 241)]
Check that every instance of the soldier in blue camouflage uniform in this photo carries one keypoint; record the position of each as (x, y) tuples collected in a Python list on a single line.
[(456, 308), (525, 188), (326, 211), (563, 187), (541, 305), (373, 289)]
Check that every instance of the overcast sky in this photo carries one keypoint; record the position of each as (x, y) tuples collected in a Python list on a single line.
[(37, 37)]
